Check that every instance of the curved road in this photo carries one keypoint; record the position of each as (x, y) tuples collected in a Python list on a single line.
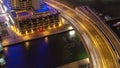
[(98, 47)]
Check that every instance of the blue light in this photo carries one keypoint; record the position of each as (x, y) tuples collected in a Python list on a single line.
[(7, 4), (43, 9)]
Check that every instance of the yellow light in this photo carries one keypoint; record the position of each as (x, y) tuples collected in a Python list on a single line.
[(26, 37), (6, 50), (62, 20), (70, 27), (45, 33), (32, 31), (54, 26), (27, 44), (49, 27), (19, 34), (11, 27), (5, 42), (60, 24), (26, 32)]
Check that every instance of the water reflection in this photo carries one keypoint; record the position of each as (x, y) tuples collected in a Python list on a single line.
[(72, 34), (46, 52), (16, 57), (27, 44)]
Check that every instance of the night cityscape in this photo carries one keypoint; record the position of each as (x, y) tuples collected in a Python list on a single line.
[(59, 33)]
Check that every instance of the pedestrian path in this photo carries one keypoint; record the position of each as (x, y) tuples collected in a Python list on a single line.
[(14, 39)]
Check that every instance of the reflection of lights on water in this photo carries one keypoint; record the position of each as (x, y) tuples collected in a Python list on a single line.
[(2, 61), (27, 44), (46, 39), (72, 33), (1, 48), (6, 50)]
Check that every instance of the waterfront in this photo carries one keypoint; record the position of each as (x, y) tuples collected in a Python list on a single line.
[(46, 52)]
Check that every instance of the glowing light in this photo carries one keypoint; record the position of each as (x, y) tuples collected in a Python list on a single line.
[(1, 1), (19, 34), (1, 48), (6, 50), (5, 42), (26, 32), (12, 27), (46, 39), (72, 33), (5, 8), (62, 20), (41, 29), (46, 32), (11, 18), (26, 37), (32, 31), (60, 24), (70, 27), (87, 59), (27, 44), (49, 27), (54, 26), (2, 61)]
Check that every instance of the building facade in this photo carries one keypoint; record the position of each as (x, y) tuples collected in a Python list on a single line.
[(38, 17), (26, 4), (21, 4), (39, 22)]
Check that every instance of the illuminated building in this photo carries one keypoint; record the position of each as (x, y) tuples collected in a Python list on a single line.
[(26, 4), (30, 21), (38, 17), (21, 4)]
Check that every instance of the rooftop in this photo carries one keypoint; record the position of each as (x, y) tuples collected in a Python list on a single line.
[(34, 13)]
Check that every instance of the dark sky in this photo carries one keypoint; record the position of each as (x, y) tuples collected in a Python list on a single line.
[(109, 7)]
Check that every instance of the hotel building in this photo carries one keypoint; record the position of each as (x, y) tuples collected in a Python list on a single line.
[(36, 16), (26, 4)]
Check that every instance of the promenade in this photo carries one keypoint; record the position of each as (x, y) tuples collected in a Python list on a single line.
[(14, 38)]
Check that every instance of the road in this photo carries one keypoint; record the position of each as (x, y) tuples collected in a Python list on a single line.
[(98, 47), (114, 40)]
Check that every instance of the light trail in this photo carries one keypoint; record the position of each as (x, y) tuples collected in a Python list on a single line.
[(100, 51)]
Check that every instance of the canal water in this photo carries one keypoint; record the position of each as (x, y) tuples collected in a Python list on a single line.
[(46, 52)]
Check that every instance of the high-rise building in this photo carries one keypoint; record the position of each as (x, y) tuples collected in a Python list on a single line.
[(21, 4), (26, 4)]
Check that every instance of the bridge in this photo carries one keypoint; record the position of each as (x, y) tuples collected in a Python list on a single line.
[(99, 47)]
